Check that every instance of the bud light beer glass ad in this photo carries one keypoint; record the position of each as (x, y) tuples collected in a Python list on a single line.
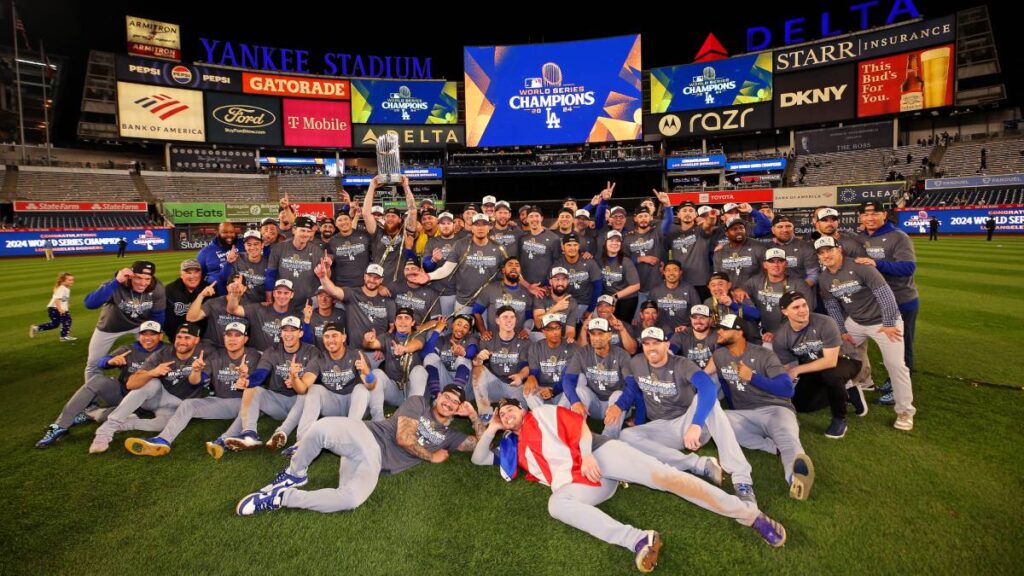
[(560, 93), (906, 82)]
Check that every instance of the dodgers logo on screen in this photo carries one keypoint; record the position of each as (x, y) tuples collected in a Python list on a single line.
[(710, 85), (404, 102), (548, 95)]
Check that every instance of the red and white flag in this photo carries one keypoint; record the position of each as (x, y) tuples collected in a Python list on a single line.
[(549, 447)]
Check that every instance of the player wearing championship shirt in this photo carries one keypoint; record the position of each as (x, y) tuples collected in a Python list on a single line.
[(801, 262), (226, 370), (622, 333), (252, 266), (401, 374), (616, 223), (723, 302), (167, 377), (506, 356), (342, 388), (285, 370), (688, 244), (127, 359), (294, 261), (596, 376), (474, 262), (391, 240), (646, 245), (860, 293), (585, 281), (367, 308), (180, 294), (560, 303), (675, 402), (505, 232), (325, 313), (131, 298), (437, 249), (818, 361), (555, 448), (419, 431), (765, 289), (621, 280), (448, 358), (757, 390), (420, 298), (510, 292), (265, 321), (539, 249), (350, 252), (891, 251), (826, 223), (699, 341), (586, 232), (674, 298), (547, 360), (214, 310), (740, 257)]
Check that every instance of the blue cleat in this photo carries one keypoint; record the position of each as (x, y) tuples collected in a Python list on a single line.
[(886, 387), (290, 451), (887, 399), (80, 418), (745, 492), (53, 433), (837, 429), (771, 531), (647, 550), (155, 446), (285, 480), (259, 502)]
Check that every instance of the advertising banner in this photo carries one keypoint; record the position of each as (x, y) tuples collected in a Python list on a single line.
[(756, 165), (845, 138), (295, 86), (866, 45), (816, 97), (738, 119), (974, 182), (884, 192), (41, 206), (153, 38), (177, 75), (317, 123), (422, 137), (962, 221), (560, 93), (413, 174), (404, 102), (243, 119), (803, 222), (716, 84), (250, 212), (808, 197), (723, 197), (197, 158), (158, 113), (694, 162), (194, 212), (19, 243), (906, 82), (314, 209)]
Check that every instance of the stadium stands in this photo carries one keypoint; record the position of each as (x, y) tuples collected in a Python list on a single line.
[(82, 220), (875, 165), (969, 197), (185, 187), (1002, 156), (55, 184), (302, 188)]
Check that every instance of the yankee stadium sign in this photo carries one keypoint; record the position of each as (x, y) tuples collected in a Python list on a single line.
[(275, 59)]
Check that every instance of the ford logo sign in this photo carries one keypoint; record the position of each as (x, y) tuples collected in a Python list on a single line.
[(241, 116)]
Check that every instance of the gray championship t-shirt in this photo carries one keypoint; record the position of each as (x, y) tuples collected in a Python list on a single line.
[(604, 375), (674, 304), (740, 263), (894, 246), (393, 363), (443, 347), (550, 362), (498, 294), (126, 310), (351, 257), (265, 324), (277, 360), (618, 274), (852, 286), (506, 356), (175, 382), (582, 274), (133, 361), (424, 300), (255, 274), (667, 390), (477, 265), (318, 321), (766, 295), (297, 266), (223, 371), (365, 313), (570, 316), (696, 350), (691, 248), (743, 394), (387, 251), (430, 433), (652, 243), (537, 253), (339, 376), (807, 345), (445, 286), (217, 319), (508, 238)]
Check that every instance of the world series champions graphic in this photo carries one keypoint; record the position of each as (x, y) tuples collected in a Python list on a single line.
[(587, 91)]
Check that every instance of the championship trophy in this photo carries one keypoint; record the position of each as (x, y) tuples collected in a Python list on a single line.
[(389, 168)]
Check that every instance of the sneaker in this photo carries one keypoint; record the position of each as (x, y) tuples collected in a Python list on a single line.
[(53, 433), (745, 492), (259, 502), (803, 477), (712, 471), (771, 531), (285, 480), (32, 331), (886, 388), (277, 441), (647, 550), (887, 399), (856, 396), (245, 441), (99, 444), (80, 418), (867, 385), (837, 429), (155, 446), (68, 338), (215, 449), (904, 421), (290, 451)]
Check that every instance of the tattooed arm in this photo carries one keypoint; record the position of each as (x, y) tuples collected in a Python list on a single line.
[(406, 438)]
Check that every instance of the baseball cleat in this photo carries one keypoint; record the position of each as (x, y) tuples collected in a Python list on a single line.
[(887, 399), (712, 471), (277, 441), (647, 550), (259, 502), (290, 451), (803, 477), (904, 421), (80, 418), (886, 387), (837, 429), (245, 441), (745, 492), (285, 480), (215, 449), (771, 531), (53, 433), (156, 446)]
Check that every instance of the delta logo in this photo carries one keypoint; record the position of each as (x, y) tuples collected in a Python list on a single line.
[(161, 105)]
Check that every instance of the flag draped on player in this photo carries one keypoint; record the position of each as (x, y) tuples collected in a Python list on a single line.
[(548, 448)]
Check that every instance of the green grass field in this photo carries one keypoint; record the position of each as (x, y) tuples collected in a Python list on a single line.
[(946, 498)]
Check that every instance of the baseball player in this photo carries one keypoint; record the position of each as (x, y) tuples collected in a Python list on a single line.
[(646, 245), (740, 257), (252, 265), (367, 308), (266, 321), (559, 302), (325, 313), (293, 261), (449, 359), (547, 360), (505, 356), (622, 332), (510, 292), (350, 252), (420, 298), (505, 232), (674, 297), (766, 288), (180, 294), (214, 309), (437, 250), (585, 281), (699, 342), (539, 249), (596, 376), (401, 373), (689, 244)]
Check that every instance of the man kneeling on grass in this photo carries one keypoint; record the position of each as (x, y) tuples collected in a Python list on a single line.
[(555, 447)]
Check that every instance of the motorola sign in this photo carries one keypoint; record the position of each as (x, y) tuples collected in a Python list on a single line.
[(725, 120)]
